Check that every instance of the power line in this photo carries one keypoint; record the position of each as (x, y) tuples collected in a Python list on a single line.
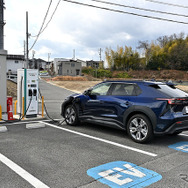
[(171, 4), (125, 12), (51, 16), (42, 25), (144, 9)]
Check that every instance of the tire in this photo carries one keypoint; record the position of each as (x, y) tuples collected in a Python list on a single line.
[(140, 129), (71, 115)]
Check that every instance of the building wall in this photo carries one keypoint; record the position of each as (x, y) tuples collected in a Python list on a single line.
[(71, 68), (57, 62), (13, 65)]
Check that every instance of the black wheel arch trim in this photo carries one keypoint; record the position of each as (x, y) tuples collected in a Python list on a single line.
[(64, 104), (140, 109), (69, 101)]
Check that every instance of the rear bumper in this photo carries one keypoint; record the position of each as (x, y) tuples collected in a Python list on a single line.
[(178, 126)]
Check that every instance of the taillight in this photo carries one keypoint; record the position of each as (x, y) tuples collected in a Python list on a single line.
[(173, 100)]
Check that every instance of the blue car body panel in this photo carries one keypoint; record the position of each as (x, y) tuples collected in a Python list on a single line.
[(115, 110)]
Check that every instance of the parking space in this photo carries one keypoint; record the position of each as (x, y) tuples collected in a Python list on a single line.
[(64, 156)]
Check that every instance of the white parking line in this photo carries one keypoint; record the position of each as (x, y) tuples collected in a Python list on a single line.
[(23, 173), (103, 140)]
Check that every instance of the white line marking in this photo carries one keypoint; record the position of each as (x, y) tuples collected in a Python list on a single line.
[(23, 173), (32, 121), (103, 140), (183, 134)]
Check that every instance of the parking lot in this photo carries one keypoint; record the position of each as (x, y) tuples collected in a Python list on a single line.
[(42, 153), (62, 156)]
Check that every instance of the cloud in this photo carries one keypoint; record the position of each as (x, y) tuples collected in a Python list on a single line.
[(85, 29)]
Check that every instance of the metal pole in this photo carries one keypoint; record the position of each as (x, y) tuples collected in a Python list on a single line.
[(27, 35)]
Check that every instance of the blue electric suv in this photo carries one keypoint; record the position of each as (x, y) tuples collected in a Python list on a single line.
[(142, 108)]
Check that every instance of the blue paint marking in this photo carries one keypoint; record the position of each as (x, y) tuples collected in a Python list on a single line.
[(121, 174), (180, 146)]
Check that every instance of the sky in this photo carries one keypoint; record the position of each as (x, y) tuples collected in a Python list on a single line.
[(81, 31)]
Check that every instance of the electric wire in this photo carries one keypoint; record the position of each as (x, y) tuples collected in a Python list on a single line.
[(37, 36), (46, 109), (20, 118), (51, 16), (143, 9), (170, 4), (125, 12), (60, 122)]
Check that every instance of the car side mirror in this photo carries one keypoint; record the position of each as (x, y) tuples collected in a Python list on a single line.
[(87, 92)]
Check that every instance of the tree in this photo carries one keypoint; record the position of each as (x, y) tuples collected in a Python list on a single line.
[(122, 59)]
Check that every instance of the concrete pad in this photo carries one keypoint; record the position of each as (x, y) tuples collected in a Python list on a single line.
[(3, 129), (35, 125)]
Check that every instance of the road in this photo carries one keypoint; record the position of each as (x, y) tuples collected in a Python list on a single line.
[(69, 157)]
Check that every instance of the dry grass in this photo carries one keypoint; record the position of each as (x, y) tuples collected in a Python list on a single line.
[(69, 78), (75, 86)]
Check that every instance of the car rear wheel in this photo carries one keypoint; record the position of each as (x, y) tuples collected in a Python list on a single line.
[(71, 115), (139, 128)]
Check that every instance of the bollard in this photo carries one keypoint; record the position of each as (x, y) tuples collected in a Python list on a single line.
[(42, 106), (15, 106), (0, 113)]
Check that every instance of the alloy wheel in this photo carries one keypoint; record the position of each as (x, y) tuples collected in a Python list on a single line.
[(70, 115)]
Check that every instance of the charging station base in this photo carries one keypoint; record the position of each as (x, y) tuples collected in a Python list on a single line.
[(38, 117), (31, 116)]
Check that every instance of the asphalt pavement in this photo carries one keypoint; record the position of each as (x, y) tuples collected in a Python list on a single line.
[(86, 156)]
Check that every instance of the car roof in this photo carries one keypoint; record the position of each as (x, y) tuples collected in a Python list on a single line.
[(139, 82)]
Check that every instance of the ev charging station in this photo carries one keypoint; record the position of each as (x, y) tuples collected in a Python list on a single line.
[(27, 92)]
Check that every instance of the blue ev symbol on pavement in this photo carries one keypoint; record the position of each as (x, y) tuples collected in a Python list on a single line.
[(180, 146), (124, 174)]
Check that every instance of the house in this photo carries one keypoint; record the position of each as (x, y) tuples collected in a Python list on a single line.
[(93, 64), (67, 67), (15, 62), (39, 64), (83, 63)]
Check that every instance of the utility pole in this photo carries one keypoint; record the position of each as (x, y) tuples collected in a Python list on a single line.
[(74, 56), (3, 64), (27, 36), (49, 60), (100, 56), (2, 23)]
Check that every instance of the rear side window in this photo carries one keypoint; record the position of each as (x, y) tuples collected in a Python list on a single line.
[(122, 89), (170, 90)]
